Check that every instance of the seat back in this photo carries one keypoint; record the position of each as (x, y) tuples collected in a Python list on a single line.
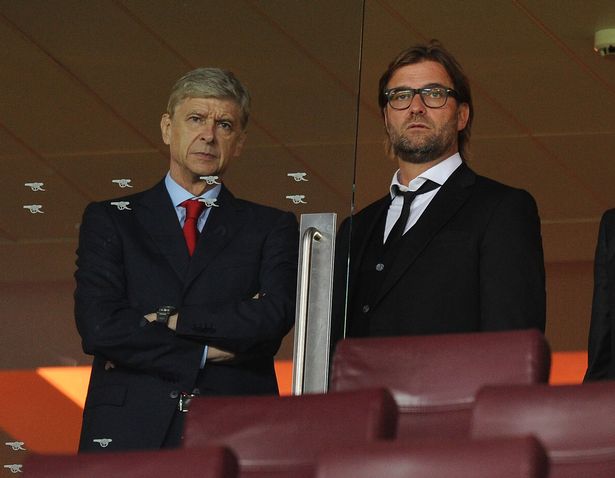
[(434, 379), (269, 433), (502, 458), (210, 462), (575, 423)]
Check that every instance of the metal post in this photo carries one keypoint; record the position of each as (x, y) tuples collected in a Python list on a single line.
[(314, 295)]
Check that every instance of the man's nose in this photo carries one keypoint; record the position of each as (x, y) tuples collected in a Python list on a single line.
[(416, 104), (207, 133)]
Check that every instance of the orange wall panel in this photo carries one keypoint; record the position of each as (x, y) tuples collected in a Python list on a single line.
[(38, 414)]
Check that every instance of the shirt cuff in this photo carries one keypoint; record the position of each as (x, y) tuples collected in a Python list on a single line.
[(204, 357)]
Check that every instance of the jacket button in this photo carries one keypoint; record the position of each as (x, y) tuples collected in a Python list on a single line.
[(174, 394), (365, 309), (380, 267)]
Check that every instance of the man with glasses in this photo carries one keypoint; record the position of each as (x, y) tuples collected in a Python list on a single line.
[(446, 250)]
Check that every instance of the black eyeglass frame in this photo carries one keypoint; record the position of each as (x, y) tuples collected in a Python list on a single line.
[(421, 91)]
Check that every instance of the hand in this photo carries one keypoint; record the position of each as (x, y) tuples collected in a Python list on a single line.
[(171, 324), (218, 355)]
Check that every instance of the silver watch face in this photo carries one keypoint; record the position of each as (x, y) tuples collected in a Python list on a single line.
[(163, 313)]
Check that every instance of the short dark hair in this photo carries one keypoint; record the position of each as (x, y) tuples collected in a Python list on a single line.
[(434, 51)]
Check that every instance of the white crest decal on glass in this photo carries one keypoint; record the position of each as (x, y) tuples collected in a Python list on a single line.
[(35, 186), (210, 179), (15, 468), (34, 208), (297, 199), (121, 205), (123, 183), (103, 442), (298, 176), (209, 202), (15, 445)]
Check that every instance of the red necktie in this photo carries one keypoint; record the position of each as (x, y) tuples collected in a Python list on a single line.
[(194, 208)]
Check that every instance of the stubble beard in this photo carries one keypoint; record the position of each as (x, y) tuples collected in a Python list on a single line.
[(420, 151)]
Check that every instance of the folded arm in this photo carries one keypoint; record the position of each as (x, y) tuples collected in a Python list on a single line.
[(110, 322)]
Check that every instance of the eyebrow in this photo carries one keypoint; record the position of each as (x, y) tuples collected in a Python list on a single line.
[(223, 117), (429, 85)]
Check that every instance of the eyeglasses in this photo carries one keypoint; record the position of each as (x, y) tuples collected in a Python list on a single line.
[(432, 97)]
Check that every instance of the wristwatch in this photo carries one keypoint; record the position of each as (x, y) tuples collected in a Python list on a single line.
[(164, 312)]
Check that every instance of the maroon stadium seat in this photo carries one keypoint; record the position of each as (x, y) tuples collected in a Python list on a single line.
[(210, 462), (575, 423), (498, 458), (281, 436), (434, 379)]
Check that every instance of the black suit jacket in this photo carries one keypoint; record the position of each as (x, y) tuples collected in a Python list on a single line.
[(601, 362), (472, 262), (131, 262)]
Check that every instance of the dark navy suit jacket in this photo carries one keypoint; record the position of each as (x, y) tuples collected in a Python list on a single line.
[(131, 262)]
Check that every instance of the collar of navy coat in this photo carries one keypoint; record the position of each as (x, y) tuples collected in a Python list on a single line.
[(156, 214)]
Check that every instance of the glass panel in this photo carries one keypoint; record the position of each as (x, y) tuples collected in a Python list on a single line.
[(84, 85)]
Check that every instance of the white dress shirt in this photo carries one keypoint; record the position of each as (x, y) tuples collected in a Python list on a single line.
[(438, 174), (179, 195)]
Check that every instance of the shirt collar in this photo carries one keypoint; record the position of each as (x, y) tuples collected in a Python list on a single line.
[(438, 173), (179, 194)]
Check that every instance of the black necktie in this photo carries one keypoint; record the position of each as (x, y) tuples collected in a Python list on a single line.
[(400, 225)]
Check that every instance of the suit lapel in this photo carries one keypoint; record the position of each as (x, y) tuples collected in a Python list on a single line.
[(441, 209), (223, 224), (157, 215)]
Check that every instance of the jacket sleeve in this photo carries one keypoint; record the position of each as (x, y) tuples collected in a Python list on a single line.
[(110, 323), (341, 275), (253, 325), (512, 275), (599, 346)]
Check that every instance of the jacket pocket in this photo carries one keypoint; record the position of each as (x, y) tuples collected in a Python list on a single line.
[(114, 395)]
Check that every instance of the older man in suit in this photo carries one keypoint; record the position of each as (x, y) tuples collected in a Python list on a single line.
[(182, 289), (446, 250)]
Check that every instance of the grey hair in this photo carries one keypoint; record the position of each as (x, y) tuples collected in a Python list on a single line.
[(210, 83)]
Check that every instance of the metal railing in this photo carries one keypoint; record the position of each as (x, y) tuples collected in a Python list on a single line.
[(314, 296)]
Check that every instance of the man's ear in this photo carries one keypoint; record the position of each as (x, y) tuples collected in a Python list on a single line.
[(240, 142), (386, 119), (165, 128), (463, 115)]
